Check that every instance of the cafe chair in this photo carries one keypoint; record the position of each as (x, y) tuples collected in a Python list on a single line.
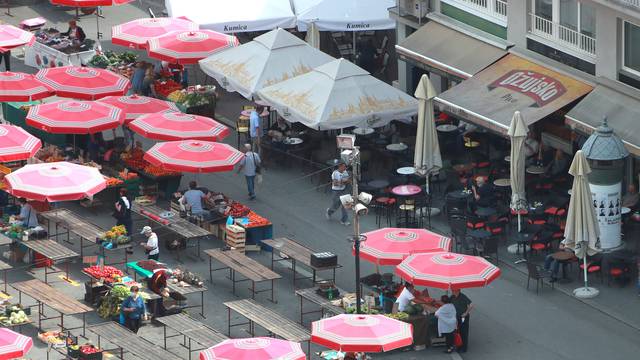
[(475, 223), (541, 242), (383, 207), (618, 270), (458, 226), (487, 247), (497, 229), (556, 213), (537, 273), (594, 266), (537, 219)]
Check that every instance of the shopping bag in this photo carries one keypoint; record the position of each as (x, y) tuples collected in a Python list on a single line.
[(122, 320), (457, 339)]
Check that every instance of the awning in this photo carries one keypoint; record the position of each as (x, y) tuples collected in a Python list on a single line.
[(344, 15), (621, 110), (490, 98), (448, 50)]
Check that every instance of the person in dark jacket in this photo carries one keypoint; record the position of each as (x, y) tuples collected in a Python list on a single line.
[(75, 33), (134, 310)]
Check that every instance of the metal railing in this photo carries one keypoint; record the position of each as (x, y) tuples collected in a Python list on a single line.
[(635, 3), (562, 35), (495, 8)]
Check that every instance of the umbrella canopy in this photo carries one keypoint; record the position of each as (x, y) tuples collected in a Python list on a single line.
[(17, 144), (517, 133), (336, 95), (170, 126), (89, 3), (261, 348), (134, 106), (136, 33), (22, 87), (11, 37), (427, 156), (389, 246), (581, 231), (74, 117), (344, 15), (189, 47), (361, 333), (269, 59), (445, 270), (56, 181), (194, 156), (13, 345), (83, 82)]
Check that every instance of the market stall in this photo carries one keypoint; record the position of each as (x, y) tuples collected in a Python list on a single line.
[(256, 227), (52, 49), (16, 114)]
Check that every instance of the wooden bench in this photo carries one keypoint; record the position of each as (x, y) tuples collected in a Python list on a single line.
[(250, 269), (191, 330), (53, 252), (297, 253), (129, 342)]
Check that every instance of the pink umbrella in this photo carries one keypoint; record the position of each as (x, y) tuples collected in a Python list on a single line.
[(22, 87), (188, 47), (194, 156), (389, 246), (361, 333), (56, 181), (74, 117), (136, 33), (260, 348), (83, 82), (13, 345), (134, 106), (445, 270), (17, 144), (170, 126), (11, 37), (89, 3)]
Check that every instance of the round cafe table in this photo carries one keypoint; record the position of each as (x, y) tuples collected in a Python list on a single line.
[(446, 128), (397, 147), (364, 131), (407, 170), (502, 182), (292, 141), (535, 170), (406, 190), (378, 184)]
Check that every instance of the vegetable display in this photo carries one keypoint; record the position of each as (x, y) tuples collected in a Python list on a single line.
[(111, 302), (117, 234), (256, 220), (237, 210), (165, 87), (108, 273)]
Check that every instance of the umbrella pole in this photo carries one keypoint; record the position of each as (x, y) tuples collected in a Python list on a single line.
[(586, 285), (519, 221), (585, 292)]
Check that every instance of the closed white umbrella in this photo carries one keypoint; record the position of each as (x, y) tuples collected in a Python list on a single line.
[(581, 232), (427, 158), (313, 36), (517, 133)]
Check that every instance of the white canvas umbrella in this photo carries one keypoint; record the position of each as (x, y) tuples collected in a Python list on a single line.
[(427, 158), (268, 59), (581, 232), (344, 15), (337, 95), (517, 133), (313, 36)]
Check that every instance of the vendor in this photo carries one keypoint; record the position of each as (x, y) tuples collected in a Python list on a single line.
[(192, 199), (28, 215), (412, 301), (75, 33)]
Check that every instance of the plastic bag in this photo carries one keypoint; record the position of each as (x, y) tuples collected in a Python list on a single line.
[(229, 220)]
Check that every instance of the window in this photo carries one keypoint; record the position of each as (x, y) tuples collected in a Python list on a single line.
[(544, 9), (631, 47), (571, 14)]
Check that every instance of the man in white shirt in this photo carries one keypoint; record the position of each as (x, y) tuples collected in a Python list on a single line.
[(405, 298), (255, 130), (151, 246), (339, 180)]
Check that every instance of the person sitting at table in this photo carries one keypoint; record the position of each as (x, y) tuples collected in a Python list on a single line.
[(75, 33), (278, 132), (28, 215), (531, 148), (559, 165), (483, 193), (552, 265), (192, 198), (631, 198)]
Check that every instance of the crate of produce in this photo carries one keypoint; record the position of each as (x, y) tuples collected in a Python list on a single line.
[(235, 237)]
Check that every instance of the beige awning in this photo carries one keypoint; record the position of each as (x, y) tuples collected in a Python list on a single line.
[(440, 47)]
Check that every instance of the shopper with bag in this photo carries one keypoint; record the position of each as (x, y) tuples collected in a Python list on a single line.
[(447, 323), (122, 212), (133, 310), (250, 166), (463, 307), (151, 246)]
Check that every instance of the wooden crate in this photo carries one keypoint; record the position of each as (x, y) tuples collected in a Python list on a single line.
[(235, 237)]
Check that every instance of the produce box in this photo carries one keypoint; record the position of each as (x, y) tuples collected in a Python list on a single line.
[(90, 352)]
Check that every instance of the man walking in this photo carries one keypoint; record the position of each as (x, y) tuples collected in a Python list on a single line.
[(339, 180), (151, 246), (250, 166)]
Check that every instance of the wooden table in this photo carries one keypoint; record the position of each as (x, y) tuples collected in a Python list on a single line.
[(52, 251), (502, 182), (236, 262), (188, 290), (88, 232), (128, 342), (297, 253), (266, 318), (325, 304), (191, 330), (535, 170), (4, 267), (60, 302)]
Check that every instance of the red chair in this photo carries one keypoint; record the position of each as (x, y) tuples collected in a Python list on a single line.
[(594, 266), (618, 270), (537, 219), (474, 223)]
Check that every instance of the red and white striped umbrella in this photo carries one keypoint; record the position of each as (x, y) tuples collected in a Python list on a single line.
[(13, 345), (17, 144), (194, 156), (11, 37), (170, 126), (188, 47), (445, 270), (56, 181), (135, 34), (261, 348), (89, 3), (22, 87), (83, 82), (361, 333), (134, 106), (389, 246), (74, 117)]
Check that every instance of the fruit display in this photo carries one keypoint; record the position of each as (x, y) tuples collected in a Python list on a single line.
[(127, 175), (111, 182), (14, 230), (54, 338), (145, 200), (165, 87), (117, 235), (88, 349), (401, 315), (108, 273), (50, 153), (237, 210), (14, 315), (256, 220)]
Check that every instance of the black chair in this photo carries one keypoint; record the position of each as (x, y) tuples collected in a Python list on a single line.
[(538, 274), (488, 247)]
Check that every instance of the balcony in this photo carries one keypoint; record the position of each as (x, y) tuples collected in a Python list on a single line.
[(563, 35), (493, 10), (635, 3)]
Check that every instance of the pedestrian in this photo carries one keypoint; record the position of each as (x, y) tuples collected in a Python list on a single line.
[(255, 127), (250, 167), (122, 212), (151, 246), (463, 307), (133, 310), (339, 181), (447, 322), (28, 215), (6, 55)]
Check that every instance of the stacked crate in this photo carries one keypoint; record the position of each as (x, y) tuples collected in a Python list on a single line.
[(236, 237)]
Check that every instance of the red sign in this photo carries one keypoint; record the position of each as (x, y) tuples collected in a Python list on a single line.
[(539, 87)]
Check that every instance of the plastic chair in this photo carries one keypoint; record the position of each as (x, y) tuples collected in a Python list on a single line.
[(536, 273)]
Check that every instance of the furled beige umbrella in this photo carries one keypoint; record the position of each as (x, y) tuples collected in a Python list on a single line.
[(517, 133), (313, 35), (581, 232), (427, 158)]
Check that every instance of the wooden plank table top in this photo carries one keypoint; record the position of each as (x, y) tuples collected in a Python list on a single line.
[(51, 297), (50, 249), (311, 295), (185, 290), (296, 251), (5, 240), (174, 223), (243, 264), (191, 328), (270, 320), (75, 223), (131, 343), (5, 266)]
